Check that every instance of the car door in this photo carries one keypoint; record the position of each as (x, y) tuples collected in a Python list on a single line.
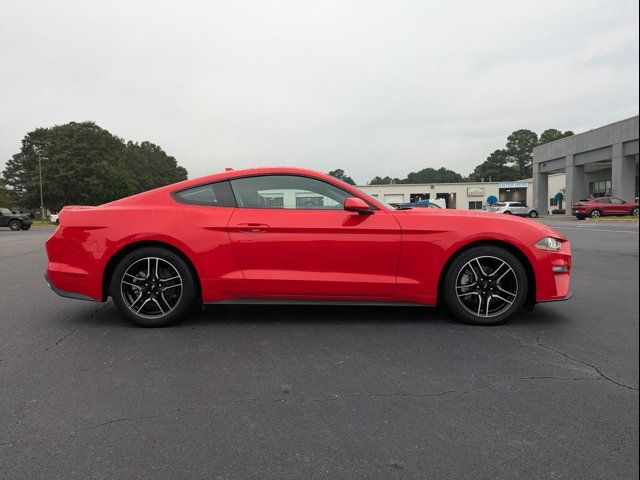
[(292, 238), (604, 205), (619, 207)]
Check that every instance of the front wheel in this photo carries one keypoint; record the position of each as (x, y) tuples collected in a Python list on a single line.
[(485, 286), (26, 226), (533, 214), (596, 213), (15, 225), (153, 287)]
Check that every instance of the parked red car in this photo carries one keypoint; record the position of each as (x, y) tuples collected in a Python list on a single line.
[(274, 235), (599, 207)]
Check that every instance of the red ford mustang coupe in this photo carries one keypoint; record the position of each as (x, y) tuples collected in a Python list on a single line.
[(280, 235)]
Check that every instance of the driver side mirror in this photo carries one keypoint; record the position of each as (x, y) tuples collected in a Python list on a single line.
[(354, 204)]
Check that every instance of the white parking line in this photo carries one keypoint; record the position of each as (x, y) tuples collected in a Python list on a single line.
[(595, 229)]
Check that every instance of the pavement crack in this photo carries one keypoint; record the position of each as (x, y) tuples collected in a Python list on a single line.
[(597, 370), (74, 330), (332, 398)]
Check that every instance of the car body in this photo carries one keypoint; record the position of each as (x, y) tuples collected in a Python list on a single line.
[(53, 218), (15, 221), (603, 206), (423, 204), (273, 235), (514, 208)]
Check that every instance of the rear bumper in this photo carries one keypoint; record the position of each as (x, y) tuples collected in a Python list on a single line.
[(66, 294), (563, 299)]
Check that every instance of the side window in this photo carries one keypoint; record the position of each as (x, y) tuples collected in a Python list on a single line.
[(616, 200), (603, 200), (217, 194), (288, 192)]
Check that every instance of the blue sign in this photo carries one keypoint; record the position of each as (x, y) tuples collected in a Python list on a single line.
[(492, 199), (559, 197)]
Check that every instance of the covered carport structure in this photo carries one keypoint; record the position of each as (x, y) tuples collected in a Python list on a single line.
[(604, 156)]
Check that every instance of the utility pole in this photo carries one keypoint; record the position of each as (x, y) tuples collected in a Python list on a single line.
[(40, 143)]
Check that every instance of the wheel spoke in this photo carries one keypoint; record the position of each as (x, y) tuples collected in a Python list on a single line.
[(143, 304), (495, 272), (171, 286), (139, 279), (488, 302), (132, 285), (165, 301), (503, 299), (155, 300), (467, 286), (479, 304), (169, 279), (514, 295), (480, 267)]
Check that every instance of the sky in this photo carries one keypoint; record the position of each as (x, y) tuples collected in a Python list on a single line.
[(372, 87)]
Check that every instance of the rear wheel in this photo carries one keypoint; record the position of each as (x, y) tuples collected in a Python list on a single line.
[(153, 287), (15, 225), (634, 211), (596, 213), (485, 286)]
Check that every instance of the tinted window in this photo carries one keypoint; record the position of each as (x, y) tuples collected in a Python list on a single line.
[(517, 204), (215, 194), (289, 192), (603, 200), (5, 211), (616, 200)]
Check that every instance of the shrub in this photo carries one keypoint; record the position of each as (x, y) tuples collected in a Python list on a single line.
[(557, 211)]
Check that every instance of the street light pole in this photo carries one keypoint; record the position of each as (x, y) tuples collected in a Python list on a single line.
[(40, 175)]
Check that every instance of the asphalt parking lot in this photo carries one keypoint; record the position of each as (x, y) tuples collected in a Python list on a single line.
[(323, 392)]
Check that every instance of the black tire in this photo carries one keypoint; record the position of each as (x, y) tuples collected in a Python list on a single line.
[(517, 277), (595, 213), (506, 213), (580, 217), (634, 212), (533, 214), (15, 225), (122, 294), (26, 226)]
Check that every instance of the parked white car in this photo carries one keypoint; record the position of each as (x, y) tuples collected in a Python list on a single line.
[(53, 218), (513, 208)]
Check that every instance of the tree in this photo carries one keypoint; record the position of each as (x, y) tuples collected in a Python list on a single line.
[(520, 150), (5, 195), (383, 181), (431, 175), (83, 163), (495, 168), (340, 175), (551, 135), (150, 167)]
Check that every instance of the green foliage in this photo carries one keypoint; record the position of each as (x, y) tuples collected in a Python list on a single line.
[(85, 164), (383, 180), (551, 135), (426, 175), (431, 175), (558, 211), (6, 199), (495, 169), (520, 150), (340, 175)]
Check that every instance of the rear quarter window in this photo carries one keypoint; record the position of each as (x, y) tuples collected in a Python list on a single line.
[(217, 194)]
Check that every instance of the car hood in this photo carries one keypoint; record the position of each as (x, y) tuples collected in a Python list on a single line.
[(507, 221)]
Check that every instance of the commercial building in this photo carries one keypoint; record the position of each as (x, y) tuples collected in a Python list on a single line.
[(463, 195), (600, 162)]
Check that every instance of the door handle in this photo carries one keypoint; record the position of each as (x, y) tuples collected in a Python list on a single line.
[(252, 227)]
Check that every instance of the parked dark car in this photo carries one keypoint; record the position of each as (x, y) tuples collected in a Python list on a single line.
[(599, 207), (15, 221)]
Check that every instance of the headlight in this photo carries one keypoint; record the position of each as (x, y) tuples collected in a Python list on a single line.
[(549, 244)]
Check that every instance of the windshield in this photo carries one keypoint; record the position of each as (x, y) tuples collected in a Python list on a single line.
[(5, 211)]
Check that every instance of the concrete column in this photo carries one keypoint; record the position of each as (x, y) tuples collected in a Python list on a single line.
[(623, 175), (540, 190), (577, 187)]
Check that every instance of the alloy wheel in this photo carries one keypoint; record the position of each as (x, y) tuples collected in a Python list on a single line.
[(595, 214), (151, 287), (486, 286)]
